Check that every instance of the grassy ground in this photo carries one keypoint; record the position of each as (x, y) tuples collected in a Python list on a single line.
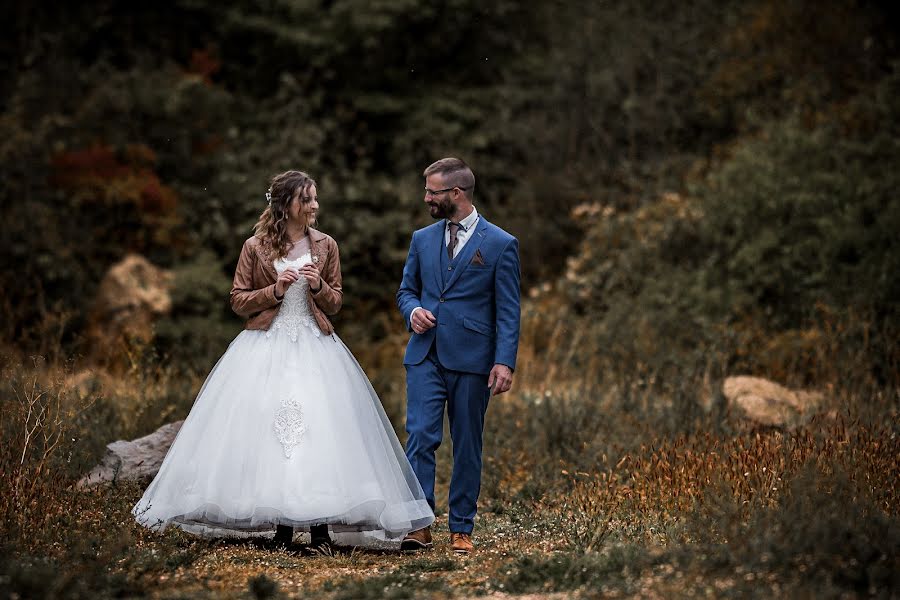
[(615, 489)]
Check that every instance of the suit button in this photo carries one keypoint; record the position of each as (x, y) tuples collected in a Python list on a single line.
[(449, 268), (442, 299)]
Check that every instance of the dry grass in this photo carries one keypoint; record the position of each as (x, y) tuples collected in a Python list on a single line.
[(604, 485), (755, 468)]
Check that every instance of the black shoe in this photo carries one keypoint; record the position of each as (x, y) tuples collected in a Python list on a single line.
[(284, 535), (319, 539)]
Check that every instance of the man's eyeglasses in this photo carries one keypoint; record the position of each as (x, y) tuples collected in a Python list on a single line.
[(434, 193)]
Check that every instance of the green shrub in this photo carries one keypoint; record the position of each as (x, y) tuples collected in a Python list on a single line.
[(825, 529), (795, 230)]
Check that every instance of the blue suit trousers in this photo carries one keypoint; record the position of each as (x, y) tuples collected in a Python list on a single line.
[(429, 387)]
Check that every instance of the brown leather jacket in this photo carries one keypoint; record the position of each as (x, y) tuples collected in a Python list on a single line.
[(253, 290)]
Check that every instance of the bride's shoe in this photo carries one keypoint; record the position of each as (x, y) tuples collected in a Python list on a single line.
[(284, 535), (320, 541)]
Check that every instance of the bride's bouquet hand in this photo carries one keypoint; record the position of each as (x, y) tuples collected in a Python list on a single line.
[(287, 277), (311, 272)]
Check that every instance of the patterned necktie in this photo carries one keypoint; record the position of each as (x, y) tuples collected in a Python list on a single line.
[(454, 228)]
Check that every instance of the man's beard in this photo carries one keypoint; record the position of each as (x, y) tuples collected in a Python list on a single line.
[(443, 209)]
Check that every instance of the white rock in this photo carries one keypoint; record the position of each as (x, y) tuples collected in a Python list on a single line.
[(137, 459)]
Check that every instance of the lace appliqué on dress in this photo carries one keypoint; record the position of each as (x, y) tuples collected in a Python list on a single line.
[(289, 425), (294, 312)]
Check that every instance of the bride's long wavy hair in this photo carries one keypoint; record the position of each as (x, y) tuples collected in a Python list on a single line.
[(272, 225)]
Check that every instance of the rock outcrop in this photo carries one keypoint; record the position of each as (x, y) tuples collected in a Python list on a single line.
[(764, 402), (137, 459), (133, 294)]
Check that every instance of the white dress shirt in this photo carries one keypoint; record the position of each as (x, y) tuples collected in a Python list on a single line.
[(465, 231)]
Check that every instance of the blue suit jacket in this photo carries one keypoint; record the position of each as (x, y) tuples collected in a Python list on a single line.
[(477, 309)]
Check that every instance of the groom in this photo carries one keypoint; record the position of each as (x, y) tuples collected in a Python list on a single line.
[(460, 299)]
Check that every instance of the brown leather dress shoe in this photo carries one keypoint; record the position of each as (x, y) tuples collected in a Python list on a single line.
[(420, 539), (461, 543)]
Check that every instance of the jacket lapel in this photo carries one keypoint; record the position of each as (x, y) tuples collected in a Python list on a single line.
[(315, 247), (437, 246), (468, 252), (266, 257)]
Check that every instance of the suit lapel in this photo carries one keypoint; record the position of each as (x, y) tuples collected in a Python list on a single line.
[(468, 251), (437, 246)]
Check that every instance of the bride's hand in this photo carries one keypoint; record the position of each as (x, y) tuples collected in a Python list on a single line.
[(311, 272), (287, 277)]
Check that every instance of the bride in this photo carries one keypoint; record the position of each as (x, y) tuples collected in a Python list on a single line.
[(287, 432)]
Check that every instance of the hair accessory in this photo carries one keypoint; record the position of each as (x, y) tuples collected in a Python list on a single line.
[(269, 196)]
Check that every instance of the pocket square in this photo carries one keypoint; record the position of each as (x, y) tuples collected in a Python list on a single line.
[(477, 259)]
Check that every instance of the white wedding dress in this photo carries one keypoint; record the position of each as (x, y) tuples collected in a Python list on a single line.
[(287, 430)]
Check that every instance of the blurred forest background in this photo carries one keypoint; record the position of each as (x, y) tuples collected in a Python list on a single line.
[(700, 189), (671, 169)]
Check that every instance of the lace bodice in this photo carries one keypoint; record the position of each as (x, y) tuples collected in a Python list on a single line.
[(294, 312)]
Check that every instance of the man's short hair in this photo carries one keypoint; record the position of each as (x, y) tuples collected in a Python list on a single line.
[(456, 174)]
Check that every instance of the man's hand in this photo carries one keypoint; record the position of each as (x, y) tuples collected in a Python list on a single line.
[(500, 379), (422, 320)]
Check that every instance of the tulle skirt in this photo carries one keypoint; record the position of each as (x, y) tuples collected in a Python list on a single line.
[(286, 430)]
